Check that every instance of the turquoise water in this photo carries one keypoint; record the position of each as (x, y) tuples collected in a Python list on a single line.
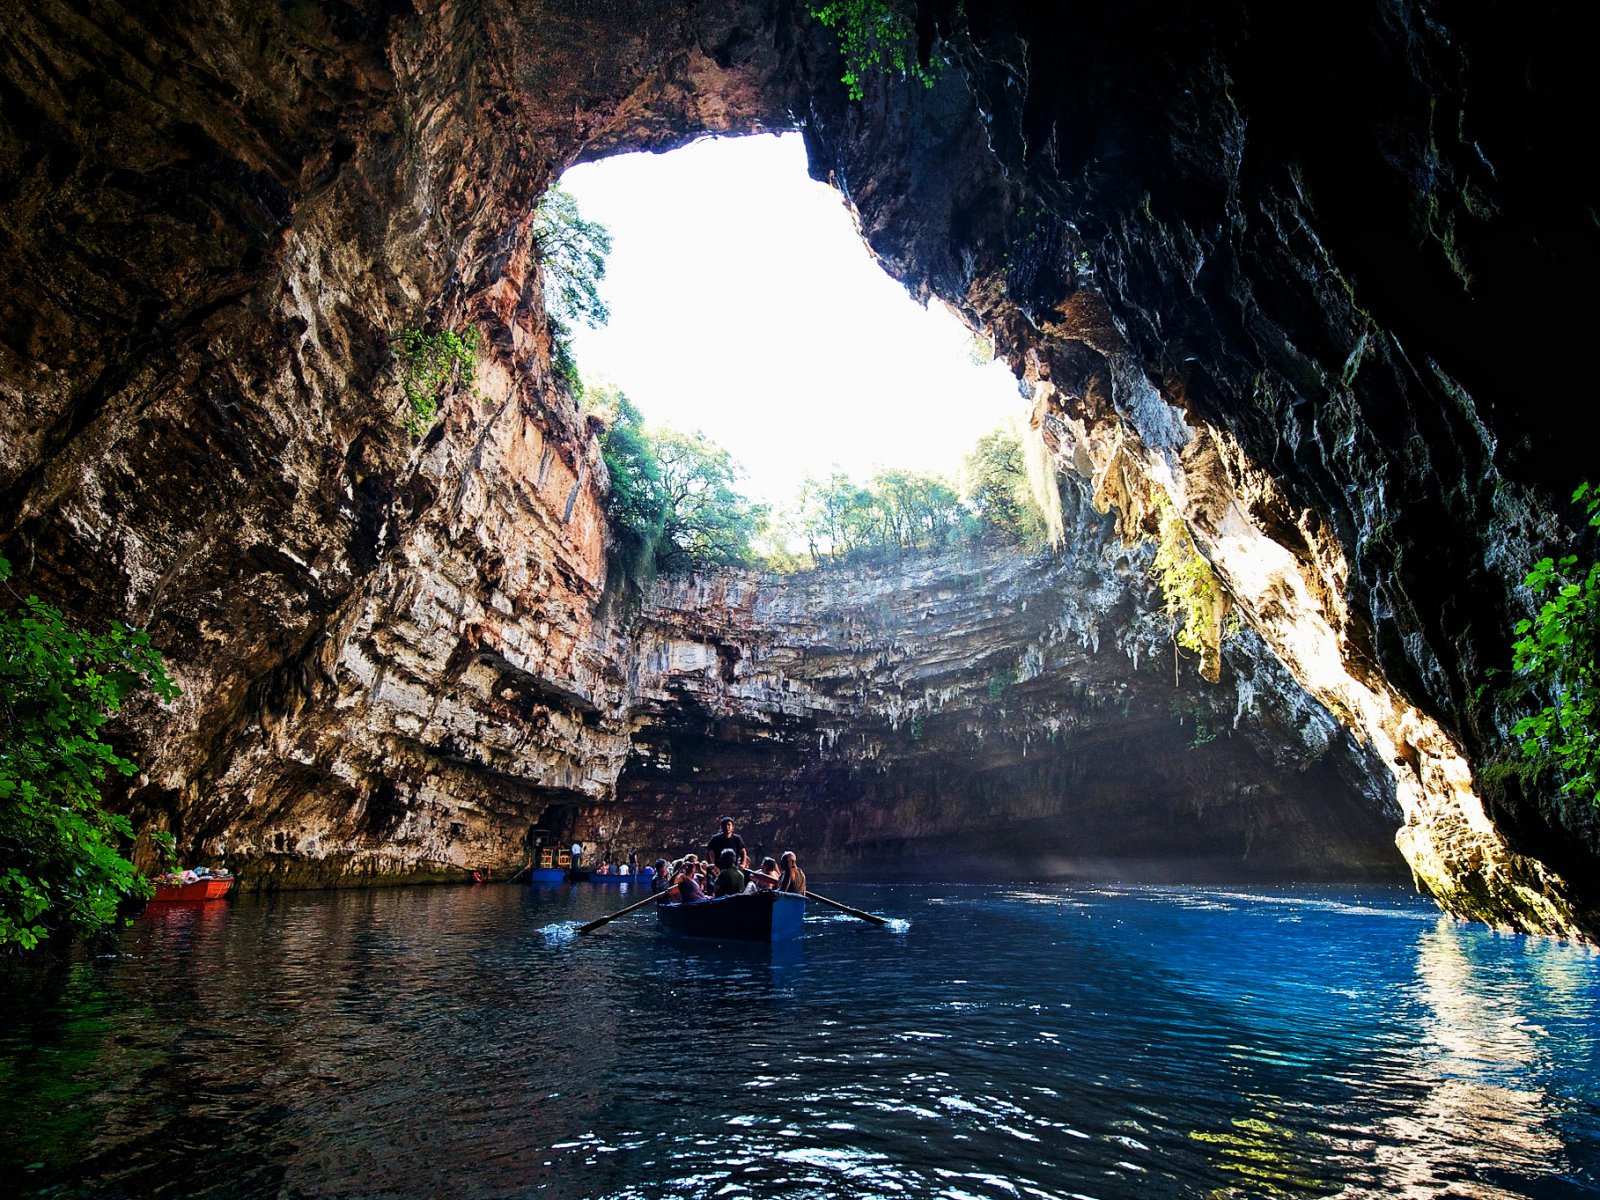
[(999, 1042)]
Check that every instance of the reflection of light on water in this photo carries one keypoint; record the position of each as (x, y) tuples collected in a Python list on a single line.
[(898, 925), (561, 931), (1267, 1154), (1476, 1061)]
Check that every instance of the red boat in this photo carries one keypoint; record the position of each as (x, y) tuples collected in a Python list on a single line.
[(212, 887)]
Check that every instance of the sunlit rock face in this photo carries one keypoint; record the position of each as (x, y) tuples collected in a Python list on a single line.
[(1297, 277)]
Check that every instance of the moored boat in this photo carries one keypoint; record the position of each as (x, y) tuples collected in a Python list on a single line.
[(757, 917), (178, 888), (552, 868), (589, 875)]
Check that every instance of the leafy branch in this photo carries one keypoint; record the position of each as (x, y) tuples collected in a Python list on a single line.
[(873, 36), (1557, 649), (61, 850), (429, 363)]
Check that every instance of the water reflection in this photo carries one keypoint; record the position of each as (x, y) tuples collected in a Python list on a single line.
[(1037, 1042), (1480, 1114)]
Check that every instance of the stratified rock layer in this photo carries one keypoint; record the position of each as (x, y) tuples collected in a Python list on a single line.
[(976, 712), (1306, 274)]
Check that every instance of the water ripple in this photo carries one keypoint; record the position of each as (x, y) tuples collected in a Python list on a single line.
[(1027, 1041)]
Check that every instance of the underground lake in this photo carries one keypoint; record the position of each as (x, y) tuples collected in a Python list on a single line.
[(996, 1041)]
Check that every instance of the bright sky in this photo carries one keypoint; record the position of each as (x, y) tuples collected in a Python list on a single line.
[(745, 304)]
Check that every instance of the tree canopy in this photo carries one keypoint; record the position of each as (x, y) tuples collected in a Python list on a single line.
[(995, 485), (573, 253), (674, 505)]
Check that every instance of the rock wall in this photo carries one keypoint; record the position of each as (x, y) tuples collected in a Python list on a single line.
[(1269, 263), (980, 712), (1288, 268)]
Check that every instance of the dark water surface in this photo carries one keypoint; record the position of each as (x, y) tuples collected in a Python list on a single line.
[(1007, 1042)]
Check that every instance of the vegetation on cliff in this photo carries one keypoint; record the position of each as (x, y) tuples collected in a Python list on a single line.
[(673, 506), (1556, 649), (1195, 603), (62, 865), (898, 511), (573, 253), (430, 364), (873, 36), (894, 511), (996, 484)]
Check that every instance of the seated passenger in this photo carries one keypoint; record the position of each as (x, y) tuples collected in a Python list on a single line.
[(730, 879), (688, 887), (790, 877), (764, 878), (660, 877)]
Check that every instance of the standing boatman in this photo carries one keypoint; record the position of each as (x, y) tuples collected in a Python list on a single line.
[(727, 840)]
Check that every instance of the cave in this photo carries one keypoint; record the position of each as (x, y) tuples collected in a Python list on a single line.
[(1304, 276)]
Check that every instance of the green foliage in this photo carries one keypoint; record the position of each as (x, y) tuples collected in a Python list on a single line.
[(873, 36), (673, 506), (430, 363), (1000, 683), (1194, 597), (995, 485), (894, 512), (1556, 649), (61, 865), (573, 252), (706, 521)]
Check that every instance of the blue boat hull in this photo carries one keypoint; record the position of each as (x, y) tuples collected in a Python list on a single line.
[(762, 917), (547, 875)]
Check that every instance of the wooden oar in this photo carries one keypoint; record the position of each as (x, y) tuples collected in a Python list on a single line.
[(854, 912), (621, 912)]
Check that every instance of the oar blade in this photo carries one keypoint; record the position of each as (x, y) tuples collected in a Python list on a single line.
[(845, 908), (621, 912)]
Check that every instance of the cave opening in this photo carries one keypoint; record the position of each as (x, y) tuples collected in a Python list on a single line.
[(923, 725), (742, 301)]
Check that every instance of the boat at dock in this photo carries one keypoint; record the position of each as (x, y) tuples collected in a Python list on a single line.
[(553, 867), (754, 917), (179, 888), (608, 878)]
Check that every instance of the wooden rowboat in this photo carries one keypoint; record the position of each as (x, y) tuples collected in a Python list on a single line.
[(212, 887), (759, 917)]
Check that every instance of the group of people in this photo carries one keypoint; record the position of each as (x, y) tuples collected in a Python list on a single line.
[(726, 871)]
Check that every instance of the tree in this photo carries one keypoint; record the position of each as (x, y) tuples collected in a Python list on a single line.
[(673, 507), (573, 252), (893, 512), (707, 522), (62, 865), (995, 484), (635, 502)]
